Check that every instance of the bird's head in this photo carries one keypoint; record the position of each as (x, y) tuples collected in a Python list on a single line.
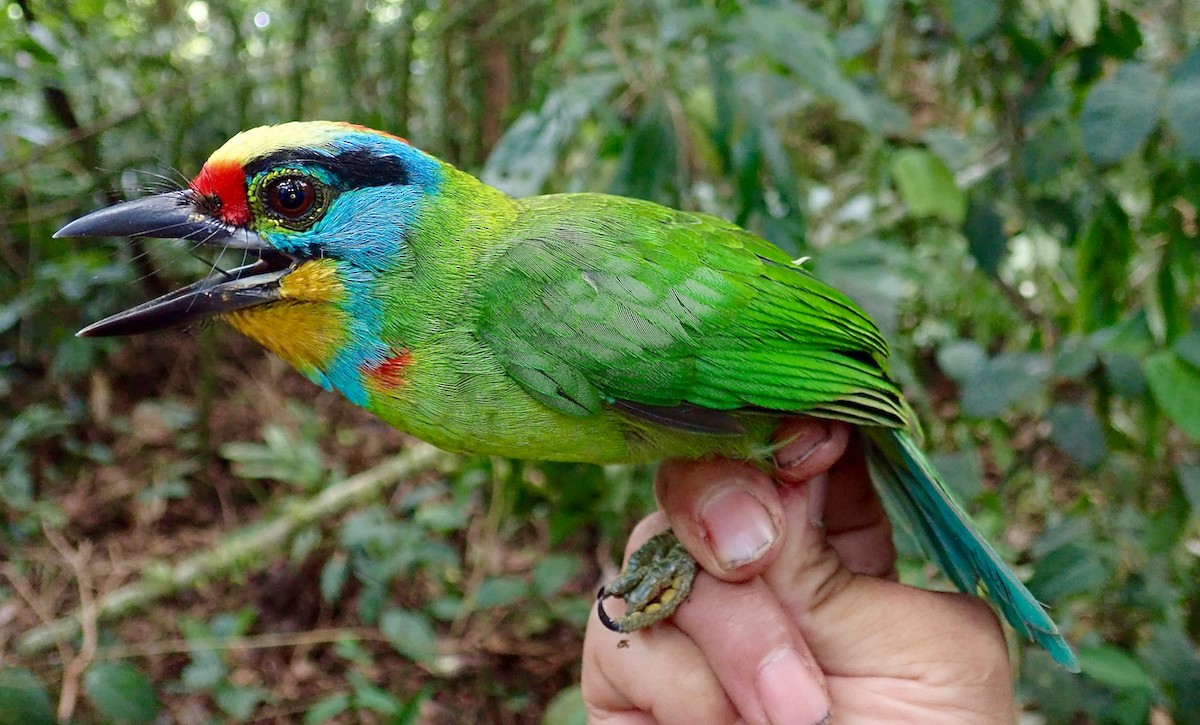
[(321, 211)]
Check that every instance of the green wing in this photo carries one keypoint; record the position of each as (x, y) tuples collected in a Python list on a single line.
[(603, 300)]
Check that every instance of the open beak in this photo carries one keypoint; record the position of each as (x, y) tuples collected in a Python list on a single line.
[(176, 215)]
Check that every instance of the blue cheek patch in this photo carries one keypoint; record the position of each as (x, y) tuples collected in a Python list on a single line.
[(367, 226), (364, 229)]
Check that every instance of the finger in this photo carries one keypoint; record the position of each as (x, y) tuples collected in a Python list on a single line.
[(755, 651), (744, 639), (861, 625), (656, 675), (810, 447), (856, 525), (726, 513)]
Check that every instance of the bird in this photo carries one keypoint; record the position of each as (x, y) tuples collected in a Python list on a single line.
[(566, 327)]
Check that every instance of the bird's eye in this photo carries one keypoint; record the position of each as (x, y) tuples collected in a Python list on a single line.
[(291, 196), (293, 200)]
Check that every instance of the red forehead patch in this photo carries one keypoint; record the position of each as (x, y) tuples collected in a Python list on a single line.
[(226, 181)]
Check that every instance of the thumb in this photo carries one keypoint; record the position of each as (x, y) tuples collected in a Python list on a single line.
[(727, 513), (860, 625)]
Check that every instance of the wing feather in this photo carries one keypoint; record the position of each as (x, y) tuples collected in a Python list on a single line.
[(608, 301)]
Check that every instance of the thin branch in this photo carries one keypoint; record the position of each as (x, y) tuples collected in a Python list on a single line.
[(243, 549), (269, 640), (86, 131), (77, 559)]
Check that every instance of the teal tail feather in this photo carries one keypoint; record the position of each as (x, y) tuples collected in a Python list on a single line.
[(918, 500)]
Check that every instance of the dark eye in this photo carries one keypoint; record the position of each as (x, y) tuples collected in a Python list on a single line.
[(291, 197)]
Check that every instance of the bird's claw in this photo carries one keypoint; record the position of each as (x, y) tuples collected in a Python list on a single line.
[(655, 582)]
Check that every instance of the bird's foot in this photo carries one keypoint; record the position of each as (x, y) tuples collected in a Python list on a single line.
[(654, 583)]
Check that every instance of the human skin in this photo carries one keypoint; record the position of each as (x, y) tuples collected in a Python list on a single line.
[(797, 616)]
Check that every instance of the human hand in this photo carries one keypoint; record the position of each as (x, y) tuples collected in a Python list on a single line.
[(796, 616)]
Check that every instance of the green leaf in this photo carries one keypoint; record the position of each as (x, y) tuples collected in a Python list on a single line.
[(927, 186), (1058, 693), (1076, 431), (1187, 347), (204, 672), (1181, 109), (1114, 667), (120, 692), (1104, 252), (333, 577), (1075, 358), (23, 699), (876, 11), (1188, 475), (442, 518), (1120, 112), (1171, 655), (1168, 525), (498, 591), (649, 166), (369, 697), (1048, 153), (984, 230), (283, 456), (233, 624), (1082, 19), (352, 650), (552, 573), (961, 359), (239, 702), (526, 155), (1175, 386), (411, 633), (798, 39), (1068, 571), (327, 708), (962, 470), (971, 20), (1124, 374), (1004, 381), (567, 708)]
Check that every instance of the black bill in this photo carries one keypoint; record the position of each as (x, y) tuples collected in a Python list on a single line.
[(175, 215)]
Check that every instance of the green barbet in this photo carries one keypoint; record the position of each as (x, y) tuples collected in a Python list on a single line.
[(571, 327)]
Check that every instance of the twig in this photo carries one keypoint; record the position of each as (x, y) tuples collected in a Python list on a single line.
[(241, 549), (481, 565), (37, 605), (269, 640), (77, 560)]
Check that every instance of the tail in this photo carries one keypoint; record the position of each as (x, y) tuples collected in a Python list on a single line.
[(917, 499)]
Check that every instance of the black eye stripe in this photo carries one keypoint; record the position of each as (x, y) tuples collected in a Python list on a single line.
[(352, 169)]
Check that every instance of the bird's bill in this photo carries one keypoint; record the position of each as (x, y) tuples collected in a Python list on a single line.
[(174, 215)]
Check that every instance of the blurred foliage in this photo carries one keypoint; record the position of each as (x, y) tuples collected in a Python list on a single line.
[(1011, 189)]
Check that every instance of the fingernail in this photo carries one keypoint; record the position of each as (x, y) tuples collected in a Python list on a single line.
[(805, 441), (790, 691), (739, 527)]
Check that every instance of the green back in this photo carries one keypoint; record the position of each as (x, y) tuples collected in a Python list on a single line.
[(604, 300)]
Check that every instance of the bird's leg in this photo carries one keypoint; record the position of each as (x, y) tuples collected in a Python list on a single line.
[(654, 583)]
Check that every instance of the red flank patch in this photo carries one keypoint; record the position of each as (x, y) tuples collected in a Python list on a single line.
[(389, 373)]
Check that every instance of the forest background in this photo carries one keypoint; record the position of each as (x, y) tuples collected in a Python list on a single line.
[(190, 532)]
